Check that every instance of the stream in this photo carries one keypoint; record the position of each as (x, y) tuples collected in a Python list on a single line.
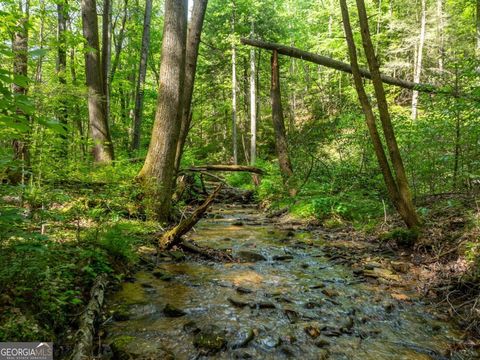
[(286, 300)]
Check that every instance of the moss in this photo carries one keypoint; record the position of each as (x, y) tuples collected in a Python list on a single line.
[(402, 237)]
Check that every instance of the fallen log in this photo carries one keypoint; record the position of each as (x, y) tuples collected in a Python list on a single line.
[(86, 331), (174, 236), (341, 66), (205, 168)]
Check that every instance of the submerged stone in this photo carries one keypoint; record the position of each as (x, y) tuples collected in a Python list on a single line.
[(243, 338), (172, 311), (250, 256)]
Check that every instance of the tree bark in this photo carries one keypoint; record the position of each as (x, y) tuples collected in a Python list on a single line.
[(62, 62), (158, 170), (406, 207), (119, 42), (281, 144), (253, 108), (106, 51), (368, 111), (193, 43), (99, 131), (234, 93), (418, 62), (174, 236), (478, 28), (341, 66), (20, 68), (142, 72)]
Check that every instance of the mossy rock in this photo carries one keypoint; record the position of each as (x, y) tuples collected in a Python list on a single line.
[(211, 339), (125, 347), (402, 237)]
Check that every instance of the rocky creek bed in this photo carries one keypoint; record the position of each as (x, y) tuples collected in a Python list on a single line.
[(295, 294)]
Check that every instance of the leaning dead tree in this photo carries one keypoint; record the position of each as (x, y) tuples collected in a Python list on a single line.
[(341, 66), (174, 236)]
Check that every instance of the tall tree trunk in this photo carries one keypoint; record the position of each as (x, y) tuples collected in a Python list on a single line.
[(99, 130), (478, 28), (142, 72), (418, 62), (106, 51), (234, 93), (439, 35), (119, 42), (368, 111), (39, 70), (253, 107), (158, 170), (193, 43), (406, 207), (281, 144), (20, 67), (62, 61)]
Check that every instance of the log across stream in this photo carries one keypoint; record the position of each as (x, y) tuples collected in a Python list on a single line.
[(291, 297)]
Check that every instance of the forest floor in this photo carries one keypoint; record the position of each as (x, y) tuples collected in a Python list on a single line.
[(56, 240)]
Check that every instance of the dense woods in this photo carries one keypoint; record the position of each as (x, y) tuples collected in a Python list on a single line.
[(120, 117)]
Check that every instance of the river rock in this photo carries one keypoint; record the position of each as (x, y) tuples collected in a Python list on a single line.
[(172, 311), (191, 327), (162, 275), (244, 290), (121, 313), (399, 266), (380, 273), (282, 257), (210, 338), (250, 256), (177, 255), (138, 311), (322, 342), (330, 292), (133, 348), (238, 302), (270, 342), (242, 338), (313, 330)]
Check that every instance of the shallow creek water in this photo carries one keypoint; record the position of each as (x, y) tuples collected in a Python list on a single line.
[(295, 304)]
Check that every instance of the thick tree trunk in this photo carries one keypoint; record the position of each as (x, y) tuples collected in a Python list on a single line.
[(281, 144), (193, 43), (234, 94), (142, 72), (253, 108), (418, 61), (20, 68), (406, 207), (158, 170), (99, 131), (341, 66)]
